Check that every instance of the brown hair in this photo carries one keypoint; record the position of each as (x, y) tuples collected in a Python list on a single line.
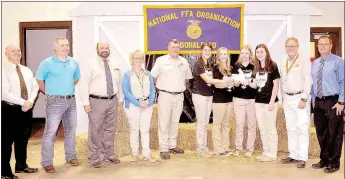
[(227, 70), (207, 66), (249, 48), (268, 60), (326, 37)]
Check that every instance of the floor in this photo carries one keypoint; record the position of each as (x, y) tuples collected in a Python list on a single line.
[(187, 166)]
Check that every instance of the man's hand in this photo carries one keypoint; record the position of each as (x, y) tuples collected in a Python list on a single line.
[(87, 108), (27, 106), (340, 108), (301, 104)]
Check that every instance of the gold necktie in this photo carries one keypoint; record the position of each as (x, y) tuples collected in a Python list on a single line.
[(23, 89)]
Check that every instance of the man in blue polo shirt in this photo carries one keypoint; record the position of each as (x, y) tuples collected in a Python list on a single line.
[(57, 76)]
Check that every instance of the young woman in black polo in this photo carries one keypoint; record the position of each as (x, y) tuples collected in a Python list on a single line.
[(244, 100), (202, 94), (222, 104), (266, 102)]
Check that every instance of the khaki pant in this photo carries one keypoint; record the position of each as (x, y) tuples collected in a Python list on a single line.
[(102, 126), (245, 108), (203, 108), (268, 130), (169, 112), (222, 113)]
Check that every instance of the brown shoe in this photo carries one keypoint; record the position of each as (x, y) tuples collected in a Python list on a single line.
[(319, 165), (113, 160), (176, 150), (288, 160), (73, 162), (165, 155), (301, 164), (97, 164), (49, 169)]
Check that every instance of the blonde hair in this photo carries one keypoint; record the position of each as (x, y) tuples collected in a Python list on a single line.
[(136, 53), (251, 57), (293, 39), (227, 70), (59, 38)]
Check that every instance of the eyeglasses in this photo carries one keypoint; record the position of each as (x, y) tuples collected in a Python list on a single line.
[(291, 46)]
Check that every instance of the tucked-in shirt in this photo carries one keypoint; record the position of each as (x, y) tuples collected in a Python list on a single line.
[(298, 78), (221, 95), (332, 76), (171, 73), (94, 82), (244, 92), (265, 84), (199, 86), (11, 91), (58, 75), (135, 88)]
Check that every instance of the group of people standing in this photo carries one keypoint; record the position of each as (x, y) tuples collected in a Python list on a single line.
[(247, 90)]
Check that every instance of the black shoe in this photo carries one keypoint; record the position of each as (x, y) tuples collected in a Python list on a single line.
[(319, 165), (301, 164), (331, 169), (165, 155), (7, 177), (27, 170), (288, 160), (176, 150)]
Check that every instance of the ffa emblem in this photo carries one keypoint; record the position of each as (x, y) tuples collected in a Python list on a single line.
[(297, 65), (194, 31)]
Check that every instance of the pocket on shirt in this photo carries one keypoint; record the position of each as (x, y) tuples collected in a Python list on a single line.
[(167, 67), (296, 68)]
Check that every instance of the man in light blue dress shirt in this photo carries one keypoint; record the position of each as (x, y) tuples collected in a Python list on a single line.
[(328, 101)]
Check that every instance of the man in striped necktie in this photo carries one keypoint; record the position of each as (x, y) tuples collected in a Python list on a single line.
[(328, 102)]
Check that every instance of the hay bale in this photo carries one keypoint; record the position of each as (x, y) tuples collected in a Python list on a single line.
[(187, 136)]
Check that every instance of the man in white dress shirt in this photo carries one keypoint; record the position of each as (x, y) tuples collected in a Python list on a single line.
[(171, 72), (101, 93), (19, 91)]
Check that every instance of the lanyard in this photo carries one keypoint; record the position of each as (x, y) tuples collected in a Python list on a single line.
[(289, 68), (141, 83)]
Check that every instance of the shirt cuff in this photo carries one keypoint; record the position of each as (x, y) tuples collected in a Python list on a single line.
[(86, 102), (341, 98)]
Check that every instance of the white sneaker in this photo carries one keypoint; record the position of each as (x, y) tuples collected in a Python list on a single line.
[(204, 154), (248, 154)]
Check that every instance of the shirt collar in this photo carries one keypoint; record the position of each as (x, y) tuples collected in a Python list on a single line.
[(12, 65), (55, 58)]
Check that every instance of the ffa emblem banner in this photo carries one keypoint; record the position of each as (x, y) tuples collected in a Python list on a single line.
[(221, 25)]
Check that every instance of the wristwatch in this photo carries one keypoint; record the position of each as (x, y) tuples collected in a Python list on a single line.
[(303, 99), (341, 103)]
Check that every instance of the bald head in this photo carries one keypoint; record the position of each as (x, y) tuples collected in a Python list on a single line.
[(103, 49), (13, 53)]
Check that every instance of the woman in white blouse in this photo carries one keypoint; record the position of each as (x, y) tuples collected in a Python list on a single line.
[(139, 94)]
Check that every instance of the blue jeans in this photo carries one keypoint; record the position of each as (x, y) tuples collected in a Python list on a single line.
[(58, 109)]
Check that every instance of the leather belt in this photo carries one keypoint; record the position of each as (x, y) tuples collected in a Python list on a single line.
[(61, 97), (292, 94), (173, 93), (102, 97), (333, 97), (8, 103)]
